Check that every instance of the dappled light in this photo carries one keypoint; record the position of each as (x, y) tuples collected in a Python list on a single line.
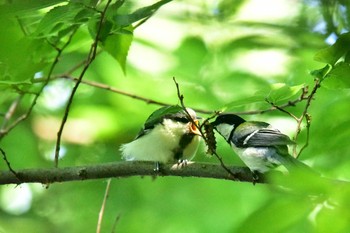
[(79, 79)]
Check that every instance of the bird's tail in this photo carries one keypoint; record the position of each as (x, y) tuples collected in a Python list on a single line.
[(294, 165)]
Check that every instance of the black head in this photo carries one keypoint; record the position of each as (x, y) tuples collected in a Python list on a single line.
[(230, 119), (179, 116)]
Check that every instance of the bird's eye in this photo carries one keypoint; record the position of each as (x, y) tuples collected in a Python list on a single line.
[(181, 119)]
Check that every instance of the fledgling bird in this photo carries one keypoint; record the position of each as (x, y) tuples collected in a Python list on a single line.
[(259, 145), (168, 136)]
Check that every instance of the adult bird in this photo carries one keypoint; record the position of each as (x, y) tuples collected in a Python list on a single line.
[(259, 145), (169, 135)]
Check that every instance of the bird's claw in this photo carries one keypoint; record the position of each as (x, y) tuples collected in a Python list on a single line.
[(181, 163), (255, 176), (156, 168)]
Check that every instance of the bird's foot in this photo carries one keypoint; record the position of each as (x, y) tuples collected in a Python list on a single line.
[(256, 177), (181, 163), (156, 168)]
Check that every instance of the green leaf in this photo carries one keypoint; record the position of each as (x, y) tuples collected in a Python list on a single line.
[(144, 12), (116, 34), (281, 92), (24, 7), (338, 77), (118, 45), (347, 57), (276, 92), (193, 52), (19, 57), (321, 73), (333, 53), (157, 115), (256, 98), (226, 9), (61, 18)]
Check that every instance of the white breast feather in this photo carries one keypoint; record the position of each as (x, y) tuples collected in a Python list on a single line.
[(158, 144), (260, 159)]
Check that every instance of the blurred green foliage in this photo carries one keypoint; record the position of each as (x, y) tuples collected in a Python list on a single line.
[(226, 55)]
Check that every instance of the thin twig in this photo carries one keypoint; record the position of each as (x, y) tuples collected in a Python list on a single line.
[(10, 112), (102, 210), (282, 110), (308, 124), (8, 163), (80, 64), (281, 107), (306, 115), (203, 111), (115, 90), (309, 99), (114, 227), (90, 58), (20, 23), (115, 223), (151, 101), (181, 97)]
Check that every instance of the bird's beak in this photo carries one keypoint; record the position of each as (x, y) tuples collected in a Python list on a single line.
[(194, 127)]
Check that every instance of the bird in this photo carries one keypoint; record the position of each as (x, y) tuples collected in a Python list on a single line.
[(258, 144), (169, 135)]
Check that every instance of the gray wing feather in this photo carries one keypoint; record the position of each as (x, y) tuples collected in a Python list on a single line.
[(259, 134), (267, 137)]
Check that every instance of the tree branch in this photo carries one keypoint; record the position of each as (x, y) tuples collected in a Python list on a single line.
[(123, 170)]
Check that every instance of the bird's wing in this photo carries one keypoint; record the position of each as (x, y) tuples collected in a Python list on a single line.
[(260, 134), (267, 137), (141, 133)]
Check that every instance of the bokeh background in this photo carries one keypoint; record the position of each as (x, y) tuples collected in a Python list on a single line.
[(226, 55)]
